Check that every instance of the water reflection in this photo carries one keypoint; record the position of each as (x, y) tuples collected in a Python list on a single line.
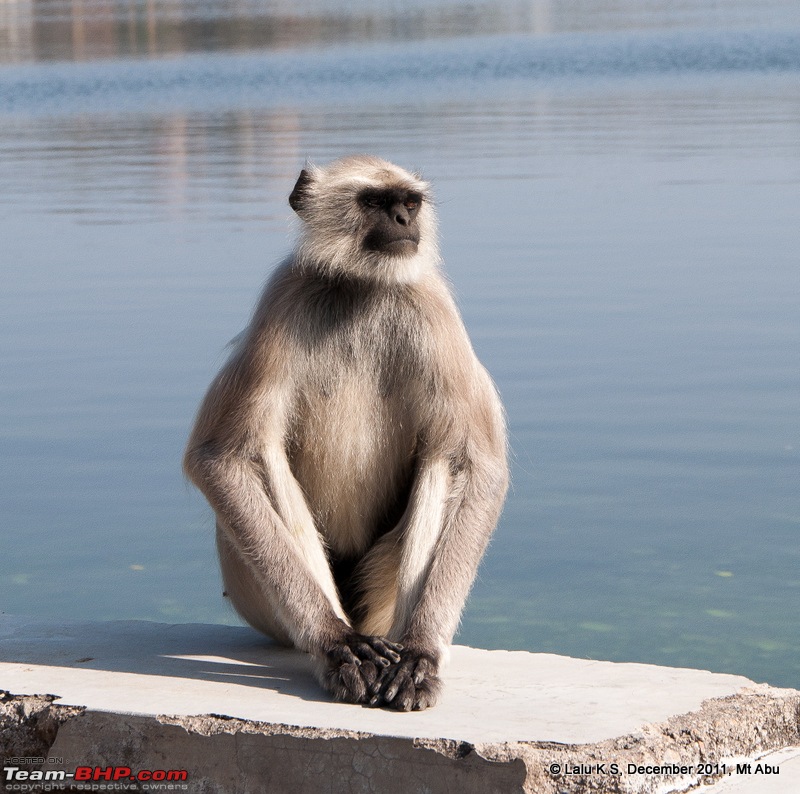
[(37, 30), (125, 168)]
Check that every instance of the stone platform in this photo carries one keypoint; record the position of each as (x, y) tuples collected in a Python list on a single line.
[(240, 715)]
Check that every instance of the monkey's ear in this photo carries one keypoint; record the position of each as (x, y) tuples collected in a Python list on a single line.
[(298, 198)]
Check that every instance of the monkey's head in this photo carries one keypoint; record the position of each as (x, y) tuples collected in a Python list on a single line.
[(367, 218)]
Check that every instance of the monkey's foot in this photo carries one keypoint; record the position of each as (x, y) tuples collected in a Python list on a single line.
[(354, 667), (410, 685)]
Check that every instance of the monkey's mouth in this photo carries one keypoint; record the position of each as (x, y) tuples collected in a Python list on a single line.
[(404, 247), (396, 246)]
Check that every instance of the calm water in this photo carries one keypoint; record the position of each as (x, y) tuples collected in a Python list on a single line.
[(619, 193)]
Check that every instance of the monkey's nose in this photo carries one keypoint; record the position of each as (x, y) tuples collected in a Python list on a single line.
[(401, 215)]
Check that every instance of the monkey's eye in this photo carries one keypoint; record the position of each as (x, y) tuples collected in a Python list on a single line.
[(413, 200), (372, 200)]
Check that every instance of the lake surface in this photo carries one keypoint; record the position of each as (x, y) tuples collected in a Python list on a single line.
[(618, 187)]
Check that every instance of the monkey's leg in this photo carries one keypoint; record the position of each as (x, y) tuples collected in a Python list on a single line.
[(391, 578), (377, 581), (265, 521), (248, 596), (448, 525), (261, 609)]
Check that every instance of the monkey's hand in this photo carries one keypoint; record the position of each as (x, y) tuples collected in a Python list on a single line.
[(411, 684), (354, 665)]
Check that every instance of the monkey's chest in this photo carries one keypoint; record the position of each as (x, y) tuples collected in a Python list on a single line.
[(352, 451)]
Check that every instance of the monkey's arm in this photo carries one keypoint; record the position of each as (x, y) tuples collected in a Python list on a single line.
[(457, 499), (236, 458)]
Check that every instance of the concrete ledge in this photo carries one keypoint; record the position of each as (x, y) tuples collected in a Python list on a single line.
[(241, 715)]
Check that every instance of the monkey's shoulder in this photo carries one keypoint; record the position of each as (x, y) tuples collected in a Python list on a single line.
[(311, 308)]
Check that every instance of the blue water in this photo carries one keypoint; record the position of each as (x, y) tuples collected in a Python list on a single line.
[(619, 195), (418, 70)]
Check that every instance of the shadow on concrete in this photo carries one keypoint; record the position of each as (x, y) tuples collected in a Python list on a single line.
[(222, 654)]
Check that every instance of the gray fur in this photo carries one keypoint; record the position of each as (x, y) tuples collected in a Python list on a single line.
[(353, 449)]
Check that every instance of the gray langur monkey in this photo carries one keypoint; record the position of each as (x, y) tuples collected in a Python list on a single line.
[(353, 448)]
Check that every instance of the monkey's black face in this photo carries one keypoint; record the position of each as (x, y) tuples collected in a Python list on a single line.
[(391, 216)]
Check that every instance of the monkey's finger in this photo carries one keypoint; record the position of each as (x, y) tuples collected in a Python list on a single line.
[(377, 648), (423, 669), (392, 655), (370, 676), (375, 691), (406, 697), (369, 654), (400, 679), (422, 701), (389, 650), (344, 655), (352, 682), (385, 677), (392, 680)]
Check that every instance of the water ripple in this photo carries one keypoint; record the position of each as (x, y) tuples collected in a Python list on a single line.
[(390, 73)]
